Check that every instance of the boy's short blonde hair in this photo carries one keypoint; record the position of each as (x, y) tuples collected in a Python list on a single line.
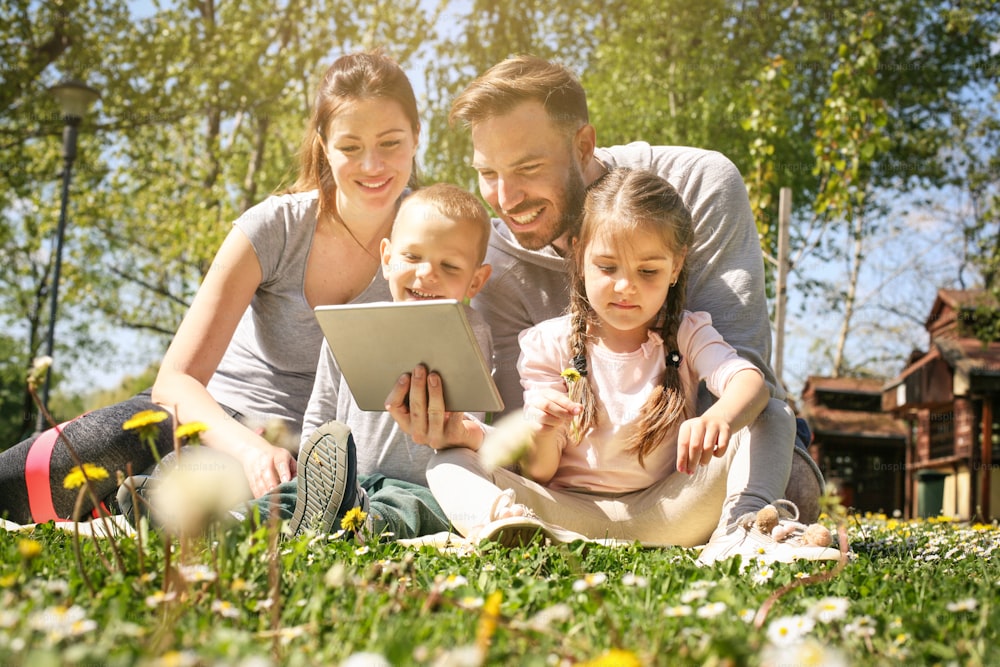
[(454, 203)]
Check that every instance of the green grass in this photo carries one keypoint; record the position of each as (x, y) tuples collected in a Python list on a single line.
[(915, 593)]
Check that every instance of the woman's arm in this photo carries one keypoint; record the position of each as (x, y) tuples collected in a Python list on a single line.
[(195, 353)]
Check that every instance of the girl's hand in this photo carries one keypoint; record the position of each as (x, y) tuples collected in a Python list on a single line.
[(549, 410), (699, 439)]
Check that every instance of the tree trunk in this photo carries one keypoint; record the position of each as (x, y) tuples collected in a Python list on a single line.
[(857, 233)]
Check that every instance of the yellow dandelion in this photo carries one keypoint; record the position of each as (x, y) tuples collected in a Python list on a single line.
[(78, 475), (488, 621), (571, 375), (191, 430), (29, 549), (354, 520), (616, 657), (145, 418)]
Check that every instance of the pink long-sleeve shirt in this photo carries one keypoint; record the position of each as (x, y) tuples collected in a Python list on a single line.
[(622, 383)]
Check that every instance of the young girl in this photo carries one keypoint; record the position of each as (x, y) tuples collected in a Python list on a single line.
[(616, 450)]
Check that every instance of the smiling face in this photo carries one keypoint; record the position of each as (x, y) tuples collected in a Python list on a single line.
[(627, 283), (370, 144), (531, 173), (433, 256)]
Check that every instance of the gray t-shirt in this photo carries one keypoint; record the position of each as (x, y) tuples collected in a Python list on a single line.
[(725, 264), (268, 369), (380, 444)]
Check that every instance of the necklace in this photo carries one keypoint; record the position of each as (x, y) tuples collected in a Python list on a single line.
[(336, 216)]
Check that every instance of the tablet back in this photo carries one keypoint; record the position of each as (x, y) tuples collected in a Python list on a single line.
[(375, 343)]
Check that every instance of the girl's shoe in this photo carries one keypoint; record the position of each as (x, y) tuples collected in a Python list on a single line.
[(521, 529), (752, 541), (327, 480)]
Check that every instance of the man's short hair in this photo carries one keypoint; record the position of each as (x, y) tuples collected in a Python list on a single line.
[(522, 79)]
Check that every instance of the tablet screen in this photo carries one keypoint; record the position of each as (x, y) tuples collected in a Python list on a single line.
[(375, 343)]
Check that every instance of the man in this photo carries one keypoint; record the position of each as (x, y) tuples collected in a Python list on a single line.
[(535, 152)]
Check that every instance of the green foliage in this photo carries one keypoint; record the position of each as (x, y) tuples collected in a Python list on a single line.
[(915, 593)]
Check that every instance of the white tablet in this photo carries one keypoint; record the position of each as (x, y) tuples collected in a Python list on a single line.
[(375, 343)]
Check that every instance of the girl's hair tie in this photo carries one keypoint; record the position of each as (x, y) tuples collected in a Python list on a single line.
[(580, 364), (674, 358)]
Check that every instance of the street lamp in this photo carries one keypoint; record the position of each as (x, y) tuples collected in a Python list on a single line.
[(75, 100)]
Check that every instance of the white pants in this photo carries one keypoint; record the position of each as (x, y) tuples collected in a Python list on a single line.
[(680, 510)]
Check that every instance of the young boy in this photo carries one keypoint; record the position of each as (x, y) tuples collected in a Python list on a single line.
[(435, 251)]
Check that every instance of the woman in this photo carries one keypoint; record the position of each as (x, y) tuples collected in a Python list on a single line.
[(245, 354)]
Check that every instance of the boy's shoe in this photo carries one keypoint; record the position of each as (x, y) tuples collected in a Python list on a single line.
[(747, 540), (327, 480), (520, 530), (142, 484)]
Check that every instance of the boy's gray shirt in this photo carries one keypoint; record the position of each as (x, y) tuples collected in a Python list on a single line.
[(725, 264), (380, 444)]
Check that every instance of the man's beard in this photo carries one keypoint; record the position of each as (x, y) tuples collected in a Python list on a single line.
[(571, 205)]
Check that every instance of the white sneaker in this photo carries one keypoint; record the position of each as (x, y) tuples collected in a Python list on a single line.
[(520, 529), (747, 540)]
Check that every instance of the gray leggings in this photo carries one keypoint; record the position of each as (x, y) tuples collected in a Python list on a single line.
[(31, 480)]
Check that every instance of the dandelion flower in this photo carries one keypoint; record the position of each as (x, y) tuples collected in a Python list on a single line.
[(29, 549), (191, 430), (143, 419), (354, 520), (488, 621), (571, 375), (78, 475), (616, 657)]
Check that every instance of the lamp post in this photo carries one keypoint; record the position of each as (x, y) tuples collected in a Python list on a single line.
[(75, 100)]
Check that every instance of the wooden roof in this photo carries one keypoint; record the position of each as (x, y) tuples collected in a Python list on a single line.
[(826, 420)]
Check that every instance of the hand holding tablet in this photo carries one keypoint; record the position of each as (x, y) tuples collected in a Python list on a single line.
[(375, 343)]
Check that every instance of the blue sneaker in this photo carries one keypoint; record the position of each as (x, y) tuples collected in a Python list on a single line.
[(327, 480)]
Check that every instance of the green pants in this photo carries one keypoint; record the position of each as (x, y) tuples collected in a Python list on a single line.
[(404, 509)]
